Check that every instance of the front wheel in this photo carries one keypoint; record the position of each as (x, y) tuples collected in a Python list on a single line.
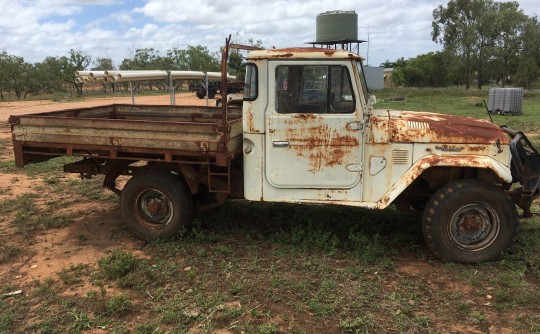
[(156, 204), (469, 221)]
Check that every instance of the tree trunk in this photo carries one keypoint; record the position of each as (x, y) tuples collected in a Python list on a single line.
[(468, 70), (504, 71), (479, 79)]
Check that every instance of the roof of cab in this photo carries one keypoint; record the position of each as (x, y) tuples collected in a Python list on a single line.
[(303, 53)]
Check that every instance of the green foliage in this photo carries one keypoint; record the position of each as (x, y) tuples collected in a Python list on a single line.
[(80, 321), (268, 329), (72, 275), (6, 320), (360, 324), (195, 58), (427, 70), (47, 167), (117, 305), (9, 253), (118, 264), (28, 217), (488, 40), (16, 75)]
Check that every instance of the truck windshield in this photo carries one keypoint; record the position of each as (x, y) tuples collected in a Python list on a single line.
[(365, 89)]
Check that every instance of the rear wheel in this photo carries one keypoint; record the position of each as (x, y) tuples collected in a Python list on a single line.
[(469, 221), (156, 204), (201, 93)]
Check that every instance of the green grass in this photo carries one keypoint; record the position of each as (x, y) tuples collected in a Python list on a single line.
[(47, 168), (257, 274)]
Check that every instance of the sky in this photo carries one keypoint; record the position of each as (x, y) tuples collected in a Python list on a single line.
[(36, 29)]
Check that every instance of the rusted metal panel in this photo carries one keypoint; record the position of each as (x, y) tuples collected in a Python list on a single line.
[(418, 127), (118, 129), (481, 162), (378, 130), (303, 53), (312, 151), (500, 153)]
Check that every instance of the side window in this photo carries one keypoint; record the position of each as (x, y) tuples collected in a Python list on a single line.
[(310, 89), (250, 85)]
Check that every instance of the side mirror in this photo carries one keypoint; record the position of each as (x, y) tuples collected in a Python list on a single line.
[(372, 100)]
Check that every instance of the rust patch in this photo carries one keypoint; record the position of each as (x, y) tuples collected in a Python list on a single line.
[(305, 116), (249, 119), (379, 130), (301, 52), (476, 148), (329, 52), (285, 55), (444, 129), (448, 148), (322, 146)]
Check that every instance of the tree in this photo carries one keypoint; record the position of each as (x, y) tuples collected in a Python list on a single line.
[(465, 27), (526, 65), (77, 60), (147, 59), (49, 75), (510, 23), (195, 58), (103, 64), (397, 76), (16, 75)]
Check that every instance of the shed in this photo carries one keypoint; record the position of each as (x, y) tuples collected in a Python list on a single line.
[(374, 77)]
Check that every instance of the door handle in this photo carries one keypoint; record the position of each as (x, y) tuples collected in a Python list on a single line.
[(280, 143)]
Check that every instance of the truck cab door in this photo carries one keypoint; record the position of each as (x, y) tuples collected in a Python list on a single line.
[(314, 127)]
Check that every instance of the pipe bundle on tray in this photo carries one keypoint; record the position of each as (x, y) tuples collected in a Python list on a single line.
[(123, 76)]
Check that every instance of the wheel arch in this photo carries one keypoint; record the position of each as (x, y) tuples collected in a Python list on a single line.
[(486, 168)]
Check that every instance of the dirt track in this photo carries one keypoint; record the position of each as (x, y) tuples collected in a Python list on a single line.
[(26, 107)]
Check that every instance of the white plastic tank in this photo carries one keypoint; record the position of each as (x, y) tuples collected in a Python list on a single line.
[(505, 100)]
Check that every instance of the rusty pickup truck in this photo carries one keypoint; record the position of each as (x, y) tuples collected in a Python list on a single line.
[(307, 132)]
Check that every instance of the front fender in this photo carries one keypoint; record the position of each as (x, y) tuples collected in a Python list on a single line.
[(484, 162)]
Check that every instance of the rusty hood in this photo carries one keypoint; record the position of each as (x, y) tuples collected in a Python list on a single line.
[(423, 127)]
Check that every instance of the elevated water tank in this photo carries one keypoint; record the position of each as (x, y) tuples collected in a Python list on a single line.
[(337, 25)]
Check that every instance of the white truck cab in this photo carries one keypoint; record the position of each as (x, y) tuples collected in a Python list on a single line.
[(311, 136)]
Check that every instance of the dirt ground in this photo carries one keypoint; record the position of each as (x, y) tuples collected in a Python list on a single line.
[(24, 107), (56, 249)]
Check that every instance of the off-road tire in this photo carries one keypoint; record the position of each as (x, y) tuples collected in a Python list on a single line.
[(469, 221), (200, 94), (156, 204)]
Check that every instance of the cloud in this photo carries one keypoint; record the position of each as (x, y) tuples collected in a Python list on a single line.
[(41, 28)]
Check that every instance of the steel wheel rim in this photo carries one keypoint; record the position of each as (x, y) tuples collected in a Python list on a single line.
[(474, 227), (154, 208)]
